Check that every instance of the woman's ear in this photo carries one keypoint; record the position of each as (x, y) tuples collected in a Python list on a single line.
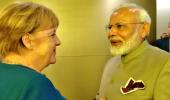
[(145, 30), (27, 41)]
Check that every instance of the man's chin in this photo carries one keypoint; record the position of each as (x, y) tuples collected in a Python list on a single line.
[(116, 53), (119, 51)]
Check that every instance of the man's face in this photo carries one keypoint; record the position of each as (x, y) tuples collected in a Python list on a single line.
[(124, 31)]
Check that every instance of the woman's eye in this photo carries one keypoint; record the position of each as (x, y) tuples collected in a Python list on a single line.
[(53, 34)]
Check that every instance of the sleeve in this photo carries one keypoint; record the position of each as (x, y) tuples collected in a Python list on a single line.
[(157, 43), (40, 88), (161, 91)]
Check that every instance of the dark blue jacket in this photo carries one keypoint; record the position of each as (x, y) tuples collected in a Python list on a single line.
[(162, 44)]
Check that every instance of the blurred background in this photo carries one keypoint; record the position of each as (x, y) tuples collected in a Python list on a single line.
[(163, 17), (84, 46)]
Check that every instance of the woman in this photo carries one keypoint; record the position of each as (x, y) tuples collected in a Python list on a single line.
[(27, 45)]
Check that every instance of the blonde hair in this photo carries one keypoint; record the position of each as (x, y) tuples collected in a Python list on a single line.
[(18, 19)]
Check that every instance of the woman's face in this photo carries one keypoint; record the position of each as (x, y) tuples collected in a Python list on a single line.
[(45, 43)]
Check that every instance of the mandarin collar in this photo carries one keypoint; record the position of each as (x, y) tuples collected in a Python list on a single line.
[(135, 53)]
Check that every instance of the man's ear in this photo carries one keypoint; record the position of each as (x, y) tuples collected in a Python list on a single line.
[(145, 29), (27, 41)]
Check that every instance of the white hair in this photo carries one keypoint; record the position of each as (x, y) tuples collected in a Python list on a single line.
[(143, 14)]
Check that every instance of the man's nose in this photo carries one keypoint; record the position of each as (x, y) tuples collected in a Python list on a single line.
[(112, 32)]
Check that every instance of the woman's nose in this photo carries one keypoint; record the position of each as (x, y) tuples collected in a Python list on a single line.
[(58, 42)]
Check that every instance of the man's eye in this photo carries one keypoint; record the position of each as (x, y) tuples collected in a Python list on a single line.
[(119, 26), (110, 26)]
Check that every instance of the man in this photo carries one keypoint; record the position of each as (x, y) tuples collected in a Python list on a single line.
[(164, 35), (138, 71), (163, 42)]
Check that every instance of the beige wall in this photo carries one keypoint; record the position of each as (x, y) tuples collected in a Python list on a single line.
[(163, 16), (84, 49)]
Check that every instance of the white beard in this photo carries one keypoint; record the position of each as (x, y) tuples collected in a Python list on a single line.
[(126, 46)]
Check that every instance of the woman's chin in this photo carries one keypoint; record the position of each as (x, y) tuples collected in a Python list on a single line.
[(52, 61)]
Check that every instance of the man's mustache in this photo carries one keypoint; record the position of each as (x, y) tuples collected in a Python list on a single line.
[(115, 38)]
